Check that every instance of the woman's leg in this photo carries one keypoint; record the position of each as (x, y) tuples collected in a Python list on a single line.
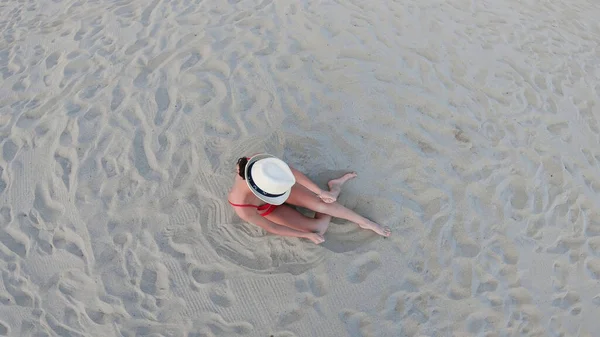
[(303, 197), (335, 185), (287, 216)]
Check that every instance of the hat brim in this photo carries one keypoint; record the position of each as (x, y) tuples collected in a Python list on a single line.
[(273, 201)]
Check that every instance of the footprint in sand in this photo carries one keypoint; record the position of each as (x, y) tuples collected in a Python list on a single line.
[(505, 249), (155, 279), (593, 245), (592, 266), (221, 295), (66, 167), (291, 316), (49, 209), (214, 277), (71, 242), (318, 284), (462, 272), (38, 231), (395, 306), (485, 282), (52, 59), (17, 288), (357, 323), (5, 216), (118, 96), (207, 274), (163, 101), (592, 225), (193, 58), (9, 150), (363, 266), (566, 300), (462, 243), (16, 241), (312, 288)]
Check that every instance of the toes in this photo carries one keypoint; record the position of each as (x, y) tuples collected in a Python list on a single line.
[(385, 231)]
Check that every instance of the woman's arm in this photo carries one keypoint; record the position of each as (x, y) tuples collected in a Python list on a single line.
[(303, 180), (306, 182)]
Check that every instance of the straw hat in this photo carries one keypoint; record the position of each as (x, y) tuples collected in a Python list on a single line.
[(269, 178)]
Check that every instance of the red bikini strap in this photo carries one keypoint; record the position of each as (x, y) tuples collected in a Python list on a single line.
[(239, 205)]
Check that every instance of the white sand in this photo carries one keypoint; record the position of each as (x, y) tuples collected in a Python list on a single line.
[(473, 126)]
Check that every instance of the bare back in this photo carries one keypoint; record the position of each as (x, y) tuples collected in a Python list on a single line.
[(240, 194)]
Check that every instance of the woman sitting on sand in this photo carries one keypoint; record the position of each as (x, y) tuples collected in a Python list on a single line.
[(264, 183)]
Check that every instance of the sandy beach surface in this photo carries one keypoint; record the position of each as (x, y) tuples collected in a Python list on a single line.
[(473, 127)]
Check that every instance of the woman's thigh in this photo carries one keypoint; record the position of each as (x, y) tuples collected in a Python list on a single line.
[(288, 216)]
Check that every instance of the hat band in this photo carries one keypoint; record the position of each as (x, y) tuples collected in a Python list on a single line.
[(258, 189)]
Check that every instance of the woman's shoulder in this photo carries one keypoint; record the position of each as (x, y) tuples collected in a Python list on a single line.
[(240, 193)]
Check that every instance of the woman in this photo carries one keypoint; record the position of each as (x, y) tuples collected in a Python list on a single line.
[(264, 183)]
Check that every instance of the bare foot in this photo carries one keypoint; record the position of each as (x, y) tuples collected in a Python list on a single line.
[(315, 238), (335, 187), (383, 231)]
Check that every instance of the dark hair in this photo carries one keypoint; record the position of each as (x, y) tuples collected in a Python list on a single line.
[(241, 163)]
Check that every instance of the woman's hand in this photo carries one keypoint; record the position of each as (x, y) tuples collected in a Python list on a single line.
[(327, 197), (315, 237)]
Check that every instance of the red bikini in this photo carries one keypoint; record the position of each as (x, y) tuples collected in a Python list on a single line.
[(267, 208)]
